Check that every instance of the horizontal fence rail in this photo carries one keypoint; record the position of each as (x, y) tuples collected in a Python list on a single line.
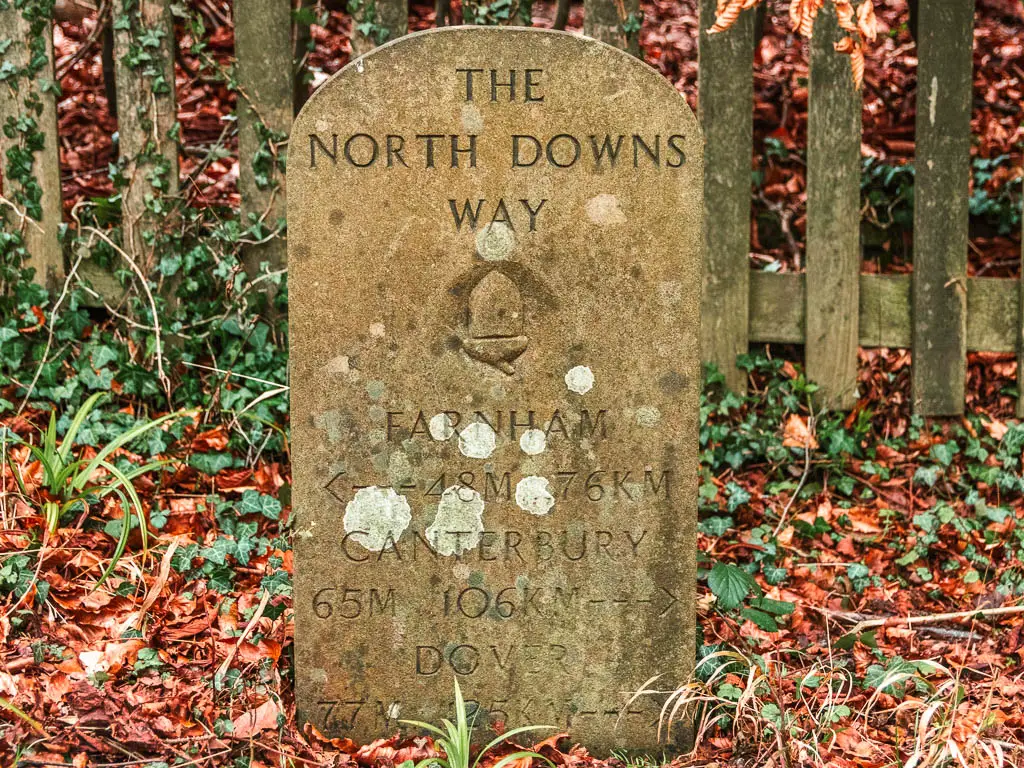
[(938, 311)]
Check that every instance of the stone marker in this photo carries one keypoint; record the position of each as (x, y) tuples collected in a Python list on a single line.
[(494, 249)]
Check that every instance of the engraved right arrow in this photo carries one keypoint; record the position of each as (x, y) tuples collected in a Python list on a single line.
[(672, 602)]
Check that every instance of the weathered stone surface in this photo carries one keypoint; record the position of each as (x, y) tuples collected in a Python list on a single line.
[(494, 384)]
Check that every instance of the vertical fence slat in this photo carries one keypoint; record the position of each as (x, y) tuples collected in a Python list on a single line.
[(377, 21), (942, 177), (833, 218), (1020, 333), (146, 114), (263, 50), (603, 20), (39, 231), (726, 86)]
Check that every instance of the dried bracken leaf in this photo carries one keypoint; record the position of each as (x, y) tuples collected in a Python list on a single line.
[(727, 13), (867, 24), (797, 433), (845, 14), (802, 14)]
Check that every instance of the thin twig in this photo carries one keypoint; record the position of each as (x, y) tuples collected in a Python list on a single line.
[(23, 215), (85, 49), (49, 335), (911, 621), (158, 350), (257, 615)]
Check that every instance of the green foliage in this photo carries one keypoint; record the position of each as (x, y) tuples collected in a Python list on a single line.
[(238, 541), (968, 531), (69, 482), (483, 13), (364, 12), (999, 210), (730, 584), (456, 740)]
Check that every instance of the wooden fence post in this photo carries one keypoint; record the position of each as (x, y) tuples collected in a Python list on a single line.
[(833, 218), (941, 195), (146, 117), (603, 20), (726, 83), (377, 21), (263, 51), (1020, 332), (28, 108)]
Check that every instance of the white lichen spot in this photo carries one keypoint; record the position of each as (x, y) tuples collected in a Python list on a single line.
[(495, 241), (360, 66), (647, 416), (339, 365), (533, 496), (376, 330), (376, 517), (394, 710), (461, 571), (332, 423), (400, 470), (580, 380), (533, 441), (933, 101), (670, 293), (440, 427), (605, 210), (472, 120), (478, 441), (458, 523)]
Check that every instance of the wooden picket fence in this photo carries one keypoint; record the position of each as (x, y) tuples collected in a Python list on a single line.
[(938, 312)]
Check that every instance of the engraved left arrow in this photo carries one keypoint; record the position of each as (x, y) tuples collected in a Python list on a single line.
[(330, 490)]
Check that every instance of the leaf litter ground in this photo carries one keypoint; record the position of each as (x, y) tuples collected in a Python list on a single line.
[(826, 532)]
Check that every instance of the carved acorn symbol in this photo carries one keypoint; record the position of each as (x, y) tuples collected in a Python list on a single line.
[(496, 322)]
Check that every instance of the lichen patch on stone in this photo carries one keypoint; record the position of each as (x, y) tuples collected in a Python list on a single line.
[(459, 521), (580, 380), (338, 365), (472, 120), (533, 442), (440, 427), (605, 210), (332, 423), (647, 416), (477, 441), (533, 495), (495, 241), (376, 517)]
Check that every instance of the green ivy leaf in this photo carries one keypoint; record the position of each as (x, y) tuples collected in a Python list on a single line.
[(210, 463), (256, 503)]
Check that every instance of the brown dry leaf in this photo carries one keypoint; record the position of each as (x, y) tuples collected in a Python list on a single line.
[(215, 439), (252, 722), (797, 434), (864, 520)]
